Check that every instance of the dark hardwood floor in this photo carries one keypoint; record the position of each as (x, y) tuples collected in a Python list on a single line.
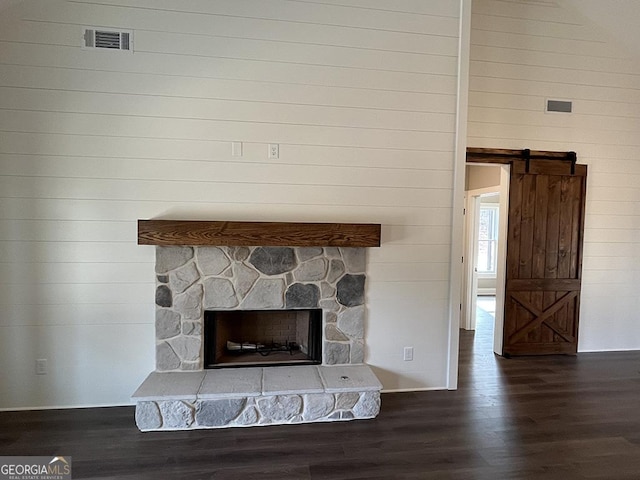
[(524, 418)]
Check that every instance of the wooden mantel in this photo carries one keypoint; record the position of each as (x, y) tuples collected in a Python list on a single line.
[(281, 234)]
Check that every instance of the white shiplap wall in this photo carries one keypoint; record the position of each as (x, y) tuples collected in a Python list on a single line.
[(525, 52), (360, 95)]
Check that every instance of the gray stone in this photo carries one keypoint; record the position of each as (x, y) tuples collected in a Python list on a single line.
[(355, 259), (347, 415), (351, 290), (187, 348), (245, 277), (273, 260), (240, 254), (279, 408), (248, 417), (297, 419), (286, 380), (163, 296), (167, 324), (311, 271), (190, 366), (163, 278), (302, 296), (336, 353), (327, 290), (336, 270), (189, 303), (346, 400), (166, 358), (332, 252), (228, 273), (351, 321), (182, 278), (334, 416), (169, 386), (330, 317), (212, 260), (357, 351), (349, 378), (219, 293), (191, 328), (216, 413), (176, 414), (306, 253), (168, 258), (317, 406), (266, 293), (329, 305), (332, 333), (148, 416), (231, 383), (289, 278), (368, 406)]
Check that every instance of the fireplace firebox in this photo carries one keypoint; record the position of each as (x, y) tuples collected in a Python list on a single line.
[(249, 338)]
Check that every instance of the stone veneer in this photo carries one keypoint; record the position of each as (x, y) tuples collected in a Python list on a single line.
[(191, 280), (223, 398)]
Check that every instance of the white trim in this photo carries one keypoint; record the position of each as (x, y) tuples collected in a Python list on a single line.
[(486, 291), (501, 283), (404, 390), (470, 276), (66, 407), (486, 190), (457, 220)]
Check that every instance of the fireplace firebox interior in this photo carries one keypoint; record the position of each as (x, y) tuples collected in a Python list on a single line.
[(248, 338)]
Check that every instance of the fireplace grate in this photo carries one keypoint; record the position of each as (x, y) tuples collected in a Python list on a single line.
[(250, 348)]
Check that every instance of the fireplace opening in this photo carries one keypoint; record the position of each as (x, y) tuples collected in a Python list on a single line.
[(249, 338)]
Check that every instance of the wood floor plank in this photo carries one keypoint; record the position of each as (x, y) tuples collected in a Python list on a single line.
[(555, 417)]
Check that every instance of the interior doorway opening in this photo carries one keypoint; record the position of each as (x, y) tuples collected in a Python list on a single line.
[(484, 260)]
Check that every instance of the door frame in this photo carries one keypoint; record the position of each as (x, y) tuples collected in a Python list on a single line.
[(473, 155), (469, 285)]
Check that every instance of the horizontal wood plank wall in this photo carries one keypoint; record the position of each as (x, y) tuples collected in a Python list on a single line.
[(524, 53), (360, 96)]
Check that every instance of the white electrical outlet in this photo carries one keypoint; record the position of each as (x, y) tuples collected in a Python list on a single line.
[(274, 150), (41, 366), (408, 354)]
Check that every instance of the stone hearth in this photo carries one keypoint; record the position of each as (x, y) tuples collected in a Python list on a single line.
[(256, 396)]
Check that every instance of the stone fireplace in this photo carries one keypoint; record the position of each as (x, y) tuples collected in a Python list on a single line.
[(278, 294), (194, 280)]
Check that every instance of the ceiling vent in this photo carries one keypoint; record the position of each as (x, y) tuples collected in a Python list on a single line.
[(108, 39), (560, 106)]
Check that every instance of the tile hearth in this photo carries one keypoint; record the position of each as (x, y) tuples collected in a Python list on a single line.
[(223, 398)]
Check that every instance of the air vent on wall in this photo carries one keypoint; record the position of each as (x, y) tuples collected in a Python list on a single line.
[(561, 106), (109, 39)]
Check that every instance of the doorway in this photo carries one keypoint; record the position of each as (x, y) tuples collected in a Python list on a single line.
[(539, 302), (486, 213)]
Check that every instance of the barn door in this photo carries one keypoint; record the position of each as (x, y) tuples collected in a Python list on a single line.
[(544, 257)]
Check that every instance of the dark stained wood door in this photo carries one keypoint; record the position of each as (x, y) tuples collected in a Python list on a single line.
[(544, 257)]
